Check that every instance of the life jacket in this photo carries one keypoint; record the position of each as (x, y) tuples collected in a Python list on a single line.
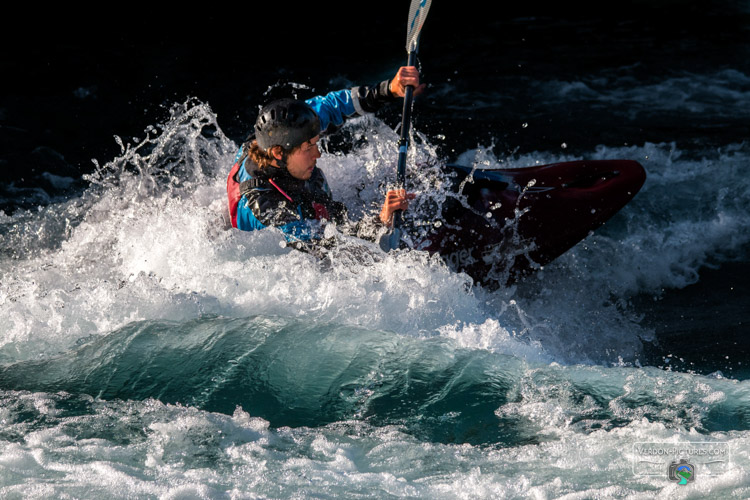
[(310, 205), (233, 193)]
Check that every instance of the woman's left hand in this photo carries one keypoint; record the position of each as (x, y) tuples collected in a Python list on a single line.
[(395, 199)]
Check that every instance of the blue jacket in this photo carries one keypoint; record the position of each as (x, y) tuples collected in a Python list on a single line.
[(271, 197)]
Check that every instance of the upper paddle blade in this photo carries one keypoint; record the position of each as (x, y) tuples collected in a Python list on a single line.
[(417, 15)]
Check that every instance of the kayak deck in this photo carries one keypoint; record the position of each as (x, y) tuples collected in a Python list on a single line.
[(520, 219)]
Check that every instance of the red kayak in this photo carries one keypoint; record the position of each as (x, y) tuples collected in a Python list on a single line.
[(504, 223)]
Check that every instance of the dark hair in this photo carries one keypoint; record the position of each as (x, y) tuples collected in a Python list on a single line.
[(264, 158)]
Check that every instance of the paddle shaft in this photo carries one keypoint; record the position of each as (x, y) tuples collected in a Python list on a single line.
[(403, 143)]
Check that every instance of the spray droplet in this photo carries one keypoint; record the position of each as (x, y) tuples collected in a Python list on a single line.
[(524, 125)]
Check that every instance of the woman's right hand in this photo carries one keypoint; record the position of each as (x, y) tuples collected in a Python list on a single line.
[(406, 75)]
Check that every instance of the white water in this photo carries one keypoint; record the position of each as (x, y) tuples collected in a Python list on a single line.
[(146, 242)]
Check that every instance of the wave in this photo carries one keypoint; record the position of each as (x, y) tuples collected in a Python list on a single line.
[(293, 373)]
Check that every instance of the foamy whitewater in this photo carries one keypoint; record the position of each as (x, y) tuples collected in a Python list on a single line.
[(147, 351)]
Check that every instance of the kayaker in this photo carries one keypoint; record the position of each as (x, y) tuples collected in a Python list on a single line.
[(275, 181)]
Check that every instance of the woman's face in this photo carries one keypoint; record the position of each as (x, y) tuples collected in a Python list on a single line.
[(302, 161)]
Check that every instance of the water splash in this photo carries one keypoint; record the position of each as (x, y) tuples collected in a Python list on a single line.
[(147, 241)]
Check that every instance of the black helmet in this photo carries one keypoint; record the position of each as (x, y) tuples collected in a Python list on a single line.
[(287, 123)]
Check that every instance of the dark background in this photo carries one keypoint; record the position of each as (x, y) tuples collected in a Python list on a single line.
[(73, 80)]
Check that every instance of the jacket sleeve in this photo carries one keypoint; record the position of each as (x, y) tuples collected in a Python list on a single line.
[(334, 107)]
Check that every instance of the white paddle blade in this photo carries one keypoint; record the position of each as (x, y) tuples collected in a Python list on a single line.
[(417, 15)]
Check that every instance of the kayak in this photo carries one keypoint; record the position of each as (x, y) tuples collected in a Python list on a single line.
[(498, 225)]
